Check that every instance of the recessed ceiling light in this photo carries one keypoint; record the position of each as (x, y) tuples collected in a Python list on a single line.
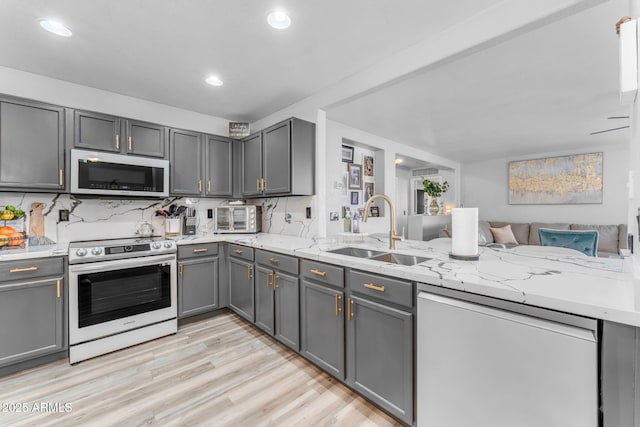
[(55, 27), (279, 19), (214, 81), (398, 161)]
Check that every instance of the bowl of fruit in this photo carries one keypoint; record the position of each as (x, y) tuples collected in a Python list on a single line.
[(9, 236)]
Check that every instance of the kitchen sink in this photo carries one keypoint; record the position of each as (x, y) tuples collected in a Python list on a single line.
[(356, 252), (400, 259), (380, 256)]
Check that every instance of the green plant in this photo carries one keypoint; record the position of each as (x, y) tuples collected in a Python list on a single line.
[(434, 189)]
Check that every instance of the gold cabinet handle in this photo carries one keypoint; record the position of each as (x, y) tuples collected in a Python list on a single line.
[(199, 250), (199, 185), (181, 269), (374, 287), (249, 273), (117, 142), (208, 186), (338, 305), (60, 177), (264, 184), (130, 141), (318, 272), (275, 281), (273, 260), (237, 251), (58, 288), (269, 277), (349, 309), (21, 270), (258, 184)]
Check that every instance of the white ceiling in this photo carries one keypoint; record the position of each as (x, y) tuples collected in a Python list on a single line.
[(544, 90)]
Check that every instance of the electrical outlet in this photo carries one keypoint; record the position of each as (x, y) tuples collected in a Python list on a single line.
[(333, 216), (209, 213), (308, 210), (63, 215)]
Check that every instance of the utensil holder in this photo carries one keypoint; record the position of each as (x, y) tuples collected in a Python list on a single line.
[(172, 226)]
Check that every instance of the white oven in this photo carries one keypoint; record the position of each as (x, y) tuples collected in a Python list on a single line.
[(126, 299)]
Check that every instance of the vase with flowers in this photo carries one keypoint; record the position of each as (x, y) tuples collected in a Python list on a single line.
[(434, 190)]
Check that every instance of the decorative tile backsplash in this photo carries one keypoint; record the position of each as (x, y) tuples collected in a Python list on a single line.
[(96, 218)]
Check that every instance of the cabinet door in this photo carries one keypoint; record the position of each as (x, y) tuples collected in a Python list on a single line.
[(197, 286), (287, 310), (380, 355), (186, 163), (31, 146), (31, 320), (241, 288), (146, 139), (251, 161), (323, 327), (97, 131), (219, 155), (277, 158), (264, 299)]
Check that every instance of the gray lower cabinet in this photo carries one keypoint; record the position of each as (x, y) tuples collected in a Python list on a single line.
[(197, 286), (322, 324), (287, 309), (380, 355), (32, 144), (32, 315), (186, 163), (264, 297), (241, 287)]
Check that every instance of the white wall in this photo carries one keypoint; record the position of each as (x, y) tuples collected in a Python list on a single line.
[(485, 185), (59, 92)]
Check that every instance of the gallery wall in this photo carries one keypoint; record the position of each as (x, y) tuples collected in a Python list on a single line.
[(485, 186)]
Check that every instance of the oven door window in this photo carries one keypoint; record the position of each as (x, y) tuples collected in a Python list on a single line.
[(223, 220), (116, 294), (240, 219)]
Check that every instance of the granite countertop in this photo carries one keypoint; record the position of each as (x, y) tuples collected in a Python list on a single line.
[(556, 278)]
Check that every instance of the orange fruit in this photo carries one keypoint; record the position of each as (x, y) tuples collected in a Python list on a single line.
[(6, 230), (15, 239)]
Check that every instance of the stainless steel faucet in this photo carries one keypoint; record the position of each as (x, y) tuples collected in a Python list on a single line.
[(392, 218)]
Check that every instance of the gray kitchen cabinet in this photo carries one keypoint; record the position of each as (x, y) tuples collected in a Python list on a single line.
[(322, 327), (32, 314), (280, 160), (32, 145), (251, 163), (198, 267), (219, 166), (241, 282), (186, 163), (380, 355), (277, 296), (95, 131)]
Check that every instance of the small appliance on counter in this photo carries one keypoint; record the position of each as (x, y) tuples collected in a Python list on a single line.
[(238, 219), (189, 222)]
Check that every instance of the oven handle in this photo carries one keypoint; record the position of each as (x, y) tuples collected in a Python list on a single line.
[(121, 264)]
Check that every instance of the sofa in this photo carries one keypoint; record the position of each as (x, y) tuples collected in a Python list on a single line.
[(612, 237)]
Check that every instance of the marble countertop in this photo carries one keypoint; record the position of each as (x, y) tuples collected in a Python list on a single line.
[(555, 278)]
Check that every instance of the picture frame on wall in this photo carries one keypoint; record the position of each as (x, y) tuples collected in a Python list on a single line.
[(374, 211), (368, 191), (368, 165), (354, 197), (354, 173), (347, 154)]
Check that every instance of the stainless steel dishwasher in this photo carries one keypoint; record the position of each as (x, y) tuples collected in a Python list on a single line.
[(487, 362)]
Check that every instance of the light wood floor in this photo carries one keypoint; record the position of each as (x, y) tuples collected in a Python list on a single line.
[(214, 372)]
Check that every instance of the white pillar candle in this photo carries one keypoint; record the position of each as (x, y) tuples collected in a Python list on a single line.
[(464, 231)]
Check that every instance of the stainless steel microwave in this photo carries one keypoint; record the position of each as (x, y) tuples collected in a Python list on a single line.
[(95, 172), (238, 219)]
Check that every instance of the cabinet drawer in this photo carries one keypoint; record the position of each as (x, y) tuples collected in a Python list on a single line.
[(383, 288), (323, 273), (27, 269), (242, 252), (194, 251), (286, 263)]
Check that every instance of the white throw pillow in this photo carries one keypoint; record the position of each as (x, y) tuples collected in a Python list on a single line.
[(504, 235)]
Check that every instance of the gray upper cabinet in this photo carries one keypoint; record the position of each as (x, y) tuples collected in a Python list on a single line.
[(241, 287), (186, 163), (197, 285), (322, 323), (95, 131), (251, 163), (146, 139), (219, 166), (380, 355), (32, 144), (280, 160)]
